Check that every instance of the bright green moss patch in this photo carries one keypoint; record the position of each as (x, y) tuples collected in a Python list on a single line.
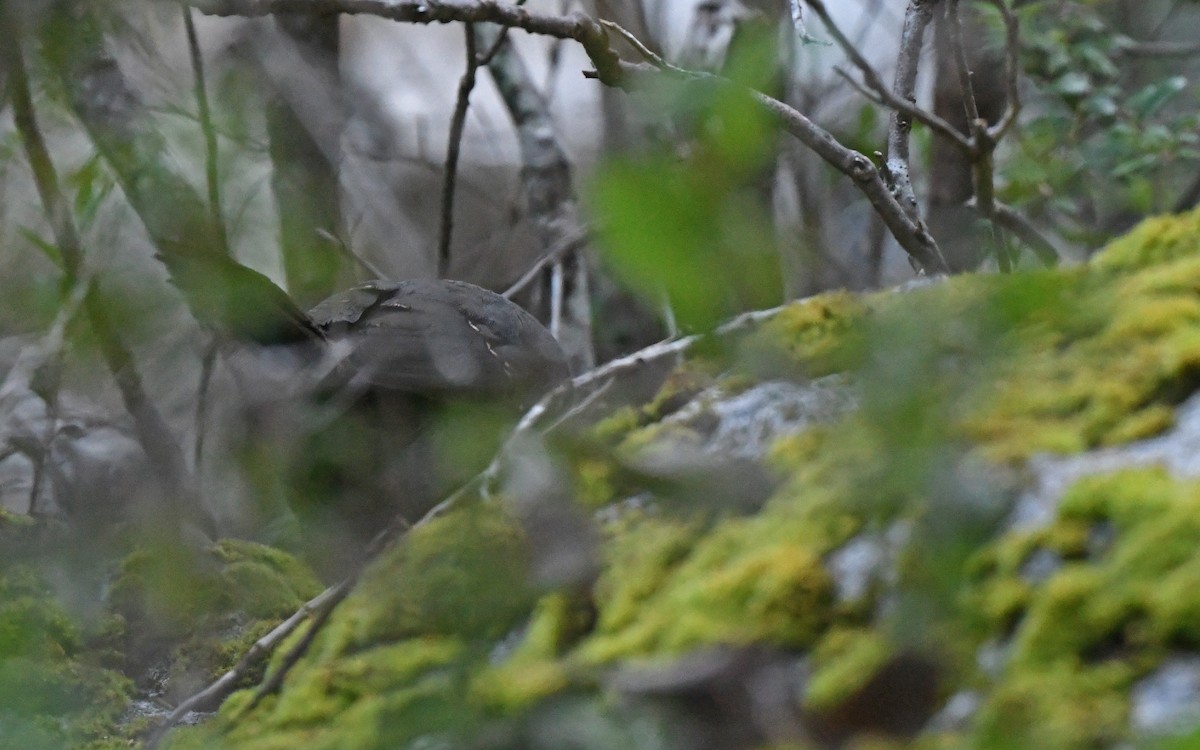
[(1127, 545), (843, 662), (171, 591), (1155, 241), (1061, 707), (1124, 350), (1123, 592), (808, 337), (667, 589)]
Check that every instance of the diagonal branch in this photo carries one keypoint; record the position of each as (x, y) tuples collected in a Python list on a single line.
[(883, 94)]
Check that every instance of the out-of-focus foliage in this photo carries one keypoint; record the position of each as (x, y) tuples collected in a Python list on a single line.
[(694, 222), (1108, 135), (945, 394)]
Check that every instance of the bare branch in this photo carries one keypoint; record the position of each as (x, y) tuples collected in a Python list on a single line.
[(916, 20), (1012, 71), (457, 124), (882, 94), (577, 26), (610, 70), (1009, 219), (546, 180), (564, 247)]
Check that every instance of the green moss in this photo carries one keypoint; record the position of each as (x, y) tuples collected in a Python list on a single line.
[(518, 684), (1155, 241), (1060, 707), (843, 662), (464, 574), (1005, 366), (196, 612), (668, 588), (1123, 350), (809, 337), (54, 693), (1124, 595)]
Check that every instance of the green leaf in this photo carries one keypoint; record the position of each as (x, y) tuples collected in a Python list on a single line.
[(49, 249), (1150, 100)]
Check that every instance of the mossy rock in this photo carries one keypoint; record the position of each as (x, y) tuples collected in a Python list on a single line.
[(444, 641)]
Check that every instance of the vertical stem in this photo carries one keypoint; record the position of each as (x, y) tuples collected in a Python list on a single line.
[(457, 125)]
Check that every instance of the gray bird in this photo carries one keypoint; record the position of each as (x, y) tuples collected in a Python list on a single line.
[(436, 337), (428, 373)]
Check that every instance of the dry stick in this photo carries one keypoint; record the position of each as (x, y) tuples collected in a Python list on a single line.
[(549, 194), (155, 436), (564, 247), (457, 124), (319, 608), (986, 138), (212, 695), (882, 94), (916, 19), (1012, 71)]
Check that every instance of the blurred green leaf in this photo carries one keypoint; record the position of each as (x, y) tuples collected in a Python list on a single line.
[(48, 249), (1151, 99)]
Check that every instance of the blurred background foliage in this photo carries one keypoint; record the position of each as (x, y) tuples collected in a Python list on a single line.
[(706, 213)]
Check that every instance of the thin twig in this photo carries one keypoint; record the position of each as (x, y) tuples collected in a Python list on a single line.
[(1012, 71), (648, 54), (550, 199), (319, 608), (1011, 220), (556, 299), (345, 249), (207, 364), (457, 124), (212, 695), (882, 94), (321, 615), (561, 249)]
